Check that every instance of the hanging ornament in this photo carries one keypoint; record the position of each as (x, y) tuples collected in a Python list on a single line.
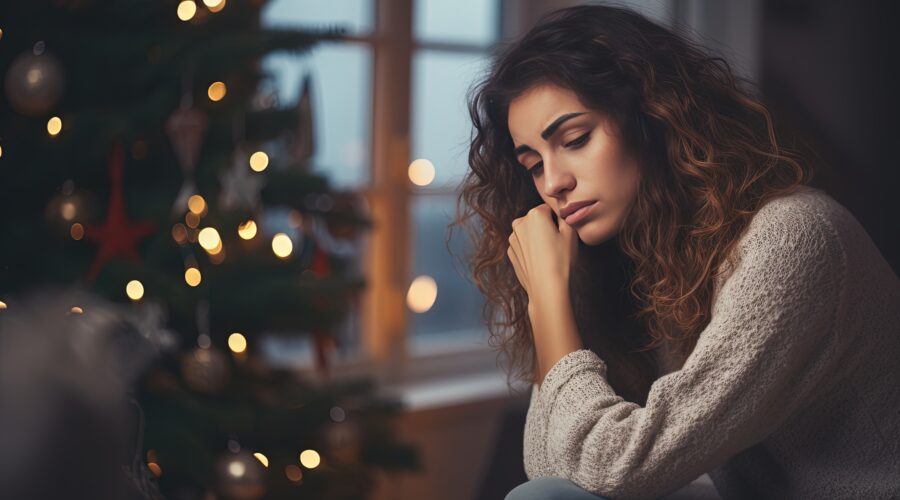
[(205, 370), (304, 140), (70, 206), (324, 346), (117, 235), (240, 186), (240, 476), (186, 128), (342, 441), (35, 81)]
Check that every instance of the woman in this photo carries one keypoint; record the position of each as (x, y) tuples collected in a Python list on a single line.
[(658, 266)]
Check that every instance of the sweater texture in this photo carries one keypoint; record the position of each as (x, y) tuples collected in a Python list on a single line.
[(792, 390)]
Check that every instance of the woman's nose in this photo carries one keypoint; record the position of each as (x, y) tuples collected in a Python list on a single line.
[(557, 179)]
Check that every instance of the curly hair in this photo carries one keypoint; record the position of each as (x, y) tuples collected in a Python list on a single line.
[(709, 159)]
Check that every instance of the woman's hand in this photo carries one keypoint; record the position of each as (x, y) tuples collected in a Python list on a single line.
[(542, 253)]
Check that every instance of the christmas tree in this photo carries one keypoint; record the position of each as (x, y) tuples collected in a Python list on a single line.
[(141, 161)]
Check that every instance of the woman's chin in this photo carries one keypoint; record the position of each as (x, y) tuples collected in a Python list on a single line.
[(592, 235)]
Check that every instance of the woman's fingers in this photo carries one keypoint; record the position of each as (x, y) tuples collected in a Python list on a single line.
[(514, 243)]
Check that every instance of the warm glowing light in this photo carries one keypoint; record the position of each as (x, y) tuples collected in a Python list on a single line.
[(422, 294), (237, 342), (209, 238), (421, 172), (217, 251), (214, 5), (216, 91), (197, 204), (192, 276), (154, 468), (76, 310), (259, 161), (1, 151), (282, 245), (2, 305), (236, 469), (192, 220), (262, 459), (76, 231), (68, 210), (293, 473), (310, 459), (179, 233), (54, 125), (134, 289), (247, 230), (186, 10)]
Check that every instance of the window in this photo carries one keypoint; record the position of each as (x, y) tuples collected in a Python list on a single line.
[(372, 117)]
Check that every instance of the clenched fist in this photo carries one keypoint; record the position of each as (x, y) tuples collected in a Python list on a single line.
[(542, 252)]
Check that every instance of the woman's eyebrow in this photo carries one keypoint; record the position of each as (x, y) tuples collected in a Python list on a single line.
[(550, 130)]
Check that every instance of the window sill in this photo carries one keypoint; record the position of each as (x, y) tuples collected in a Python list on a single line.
[(446, 370)]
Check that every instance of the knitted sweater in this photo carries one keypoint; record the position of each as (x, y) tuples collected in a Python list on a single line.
[(790, 392)]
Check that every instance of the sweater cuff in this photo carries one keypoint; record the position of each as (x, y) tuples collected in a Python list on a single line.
[(564, 369)]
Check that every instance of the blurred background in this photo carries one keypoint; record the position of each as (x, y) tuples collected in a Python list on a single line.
[(249, 200)]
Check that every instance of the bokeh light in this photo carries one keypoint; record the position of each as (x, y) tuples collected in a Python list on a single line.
[(422, 294), (186, 10), (134, 289), (282, 245), (237, 342), (421, 172), (259, 161), (247, 230), (310, 459)]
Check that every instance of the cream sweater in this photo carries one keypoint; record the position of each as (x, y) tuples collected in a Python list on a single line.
[(792, 391)]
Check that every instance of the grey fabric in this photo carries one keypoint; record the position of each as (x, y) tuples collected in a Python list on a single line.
[(550, 488)]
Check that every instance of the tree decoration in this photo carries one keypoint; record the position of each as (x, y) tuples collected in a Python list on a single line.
[(186, 128), (240, 186), (303, 147), (71, 205), (35, 82), (117, 235), (240, 476)]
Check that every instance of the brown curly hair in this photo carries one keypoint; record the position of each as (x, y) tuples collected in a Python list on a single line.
[(709, 160)]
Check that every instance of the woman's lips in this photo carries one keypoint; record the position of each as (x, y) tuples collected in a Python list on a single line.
[(579, 214)]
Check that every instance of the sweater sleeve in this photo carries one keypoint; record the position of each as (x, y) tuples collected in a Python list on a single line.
[(770, 343)]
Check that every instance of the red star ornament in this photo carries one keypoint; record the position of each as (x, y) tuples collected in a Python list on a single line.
[(117, 235)]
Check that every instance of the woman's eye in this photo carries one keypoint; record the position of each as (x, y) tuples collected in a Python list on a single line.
[(536, 168), (580, 141)]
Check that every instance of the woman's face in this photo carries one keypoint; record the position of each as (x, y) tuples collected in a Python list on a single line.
[(573, 157)]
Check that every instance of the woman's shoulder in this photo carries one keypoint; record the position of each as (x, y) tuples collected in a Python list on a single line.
[(805, 217), (802, 229)]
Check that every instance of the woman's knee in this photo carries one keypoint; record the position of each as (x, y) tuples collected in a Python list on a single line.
[(551, 488)]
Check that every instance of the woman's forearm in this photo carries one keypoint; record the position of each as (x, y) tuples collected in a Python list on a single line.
[(555, 331)]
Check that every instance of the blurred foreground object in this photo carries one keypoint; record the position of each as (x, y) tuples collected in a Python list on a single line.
[(69, 425)]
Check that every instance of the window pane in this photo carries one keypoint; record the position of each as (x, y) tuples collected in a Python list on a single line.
[(354, 15), (341, 92), (456, 312), (440, 121), (462, 21)]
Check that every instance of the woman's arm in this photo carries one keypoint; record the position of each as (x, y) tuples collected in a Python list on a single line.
[(553, 324), (770, 342)]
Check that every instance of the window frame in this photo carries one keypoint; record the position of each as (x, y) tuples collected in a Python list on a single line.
[(387, 249)]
